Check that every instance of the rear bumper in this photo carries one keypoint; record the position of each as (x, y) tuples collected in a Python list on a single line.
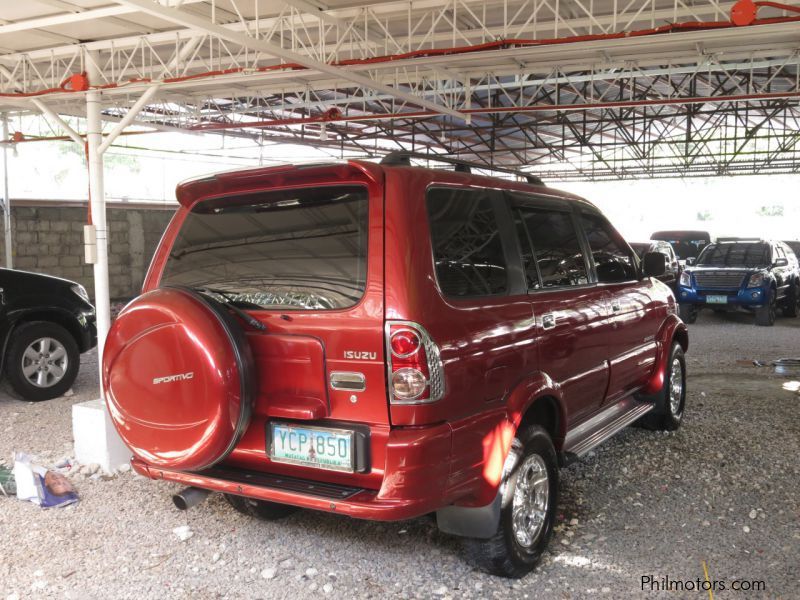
[(414, 484), (750, 297)]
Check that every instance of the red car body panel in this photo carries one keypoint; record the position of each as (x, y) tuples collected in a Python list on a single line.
[(609, 341)]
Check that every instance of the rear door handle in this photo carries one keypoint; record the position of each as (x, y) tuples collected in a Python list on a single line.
[(616, 307), (548, 321), (349, 381)]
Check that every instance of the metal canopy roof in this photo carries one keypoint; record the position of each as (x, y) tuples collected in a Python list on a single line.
[(568, 89)]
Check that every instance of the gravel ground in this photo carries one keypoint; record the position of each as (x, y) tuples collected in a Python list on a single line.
[(722, 490)]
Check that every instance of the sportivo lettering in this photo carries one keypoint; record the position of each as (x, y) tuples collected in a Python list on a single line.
[(171, 378), (356, 355)]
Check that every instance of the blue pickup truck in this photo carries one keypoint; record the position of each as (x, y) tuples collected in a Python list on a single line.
[(757, 275)]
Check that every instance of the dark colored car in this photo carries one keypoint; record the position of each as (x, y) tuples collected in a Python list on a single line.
[(385, 342), (735, 273), (686, 243), (46, 323), (673, 266)]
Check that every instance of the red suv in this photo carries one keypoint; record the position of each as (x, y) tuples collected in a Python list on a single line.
[(384, 341)]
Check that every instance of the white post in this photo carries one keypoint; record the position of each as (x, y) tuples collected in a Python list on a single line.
[(6, 197), (94, 138)]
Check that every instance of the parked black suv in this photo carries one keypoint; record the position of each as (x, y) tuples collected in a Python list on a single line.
[(673, 266), (45, 324)]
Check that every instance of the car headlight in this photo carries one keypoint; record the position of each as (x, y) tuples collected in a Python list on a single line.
[(80, 291), (686, 279), (756, 280)]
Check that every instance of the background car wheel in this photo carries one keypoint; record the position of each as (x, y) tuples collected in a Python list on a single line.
[(42, 361), (671, 398), (765, 315), (269, 511), (792, 298), (529, 499), (688, 313)]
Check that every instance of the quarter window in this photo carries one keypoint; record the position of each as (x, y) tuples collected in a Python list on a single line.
[(612, 259), (551, 251), (467, 249)]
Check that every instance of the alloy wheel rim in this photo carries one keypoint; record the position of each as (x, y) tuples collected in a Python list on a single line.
[(675, 386), (45, 362), (531, 501)]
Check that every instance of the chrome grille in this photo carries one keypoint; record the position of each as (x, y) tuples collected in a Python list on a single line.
[(729, 280)]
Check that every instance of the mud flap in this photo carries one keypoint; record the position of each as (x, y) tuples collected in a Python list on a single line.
[(474, 522)]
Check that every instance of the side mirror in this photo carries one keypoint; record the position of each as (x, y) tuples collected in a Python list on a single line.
[(781, 262), (690, 261), (654, 264)]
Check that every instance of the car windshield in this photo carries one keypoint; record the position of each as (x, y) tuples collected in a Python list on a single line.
[(685, 244), (640, 248), (735, 255), (288, 249)]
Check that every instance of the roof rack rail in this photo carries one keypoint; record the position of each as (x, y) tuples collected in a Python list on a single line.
[(403, 158)]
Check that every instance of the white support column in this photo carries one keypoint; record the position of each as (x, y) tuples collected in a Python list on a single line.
[(96, 440), (6, 198), (94, 138)]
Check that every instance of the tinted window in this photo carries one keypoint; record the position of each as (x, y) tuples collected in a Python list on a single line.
[(640, 249), (612, 259), (687, 244), (467, 249), (292, 249), (556, 257), (735, 255)]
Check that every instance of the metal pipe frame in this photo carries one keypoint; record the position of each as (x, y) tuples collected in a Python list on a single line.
[(595, 107)]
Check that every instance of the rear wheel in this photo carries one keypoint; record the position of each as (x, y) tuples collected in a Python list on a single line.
[(687, 312), (765, 315), (792, 298), (42, 361), (670, 400), (269, 511), (529, 497)]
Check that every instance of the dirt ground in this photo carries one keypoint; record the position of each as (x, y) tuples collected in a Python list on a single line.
[(722, 494)]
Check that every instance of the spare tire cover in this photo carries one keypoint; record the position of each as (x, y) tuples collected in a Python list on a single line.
[(179, 379)]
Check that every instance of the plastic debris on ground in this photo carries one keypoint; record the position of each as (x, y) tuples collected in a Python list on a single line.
[(8, 486), (36, 484)]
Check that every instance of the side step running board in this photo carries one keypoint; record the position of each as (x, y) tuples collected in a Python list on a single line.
[(602, 426)]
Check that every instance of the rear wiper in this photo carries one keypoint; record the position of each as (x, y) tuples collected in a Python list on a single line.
[(229, 303)]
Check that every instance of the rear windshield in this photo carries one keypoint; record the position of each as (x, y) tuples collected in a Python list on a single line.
[(687, 244), (302, 249), (735, 255), (640, 249)]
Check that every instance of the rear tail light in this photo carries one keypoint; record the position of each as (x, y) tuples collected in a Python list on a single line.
[(416, 374)]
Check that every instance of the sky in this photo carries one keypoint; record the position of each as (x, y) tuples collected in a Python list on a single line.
[(765, 206)]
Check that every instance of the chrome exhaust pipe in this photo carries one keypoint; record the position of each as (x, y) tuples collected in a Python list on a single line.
[(189, 497)]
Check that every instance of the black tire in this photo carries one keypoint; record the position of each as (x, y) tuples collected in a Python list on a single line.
[(26, 336), (688, 313), (792, 298), (765, 315), (503, 554), (268, 511), (667, 416)]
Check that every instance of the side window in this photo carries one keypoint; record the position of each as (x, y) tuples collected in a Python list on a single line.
[(613, 261), (467, 249), (551, 251)]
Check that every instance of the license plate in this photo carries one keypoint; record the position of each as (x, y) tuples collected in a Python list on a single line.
[(309, 446), (717, 299)]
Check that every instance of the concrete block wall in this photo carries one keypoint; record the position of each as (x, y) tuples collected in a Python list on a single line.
[(48, 238)]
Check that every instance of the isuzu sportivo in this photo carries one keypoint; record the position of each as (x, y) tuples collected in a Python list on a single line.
[(385, 341)]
